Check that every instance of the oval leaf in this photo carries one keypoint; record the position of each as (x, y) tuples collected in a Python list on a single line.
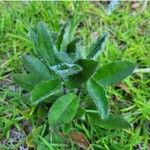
[(26, 81), (113, 72), (98, 96), (44, 90), (63, 110), (112, 122), (35, 66)]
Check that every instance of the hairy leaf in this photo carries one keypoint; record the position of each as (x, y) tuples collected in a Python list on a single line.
[(63, 110), (54, 36), (113, 72), (33, 35), (98, 95), (44, 90), (97, 47), (45, 45), (64, 69), (26, 81), (60, 37), (35, 66), (112, 122), (63, 57)]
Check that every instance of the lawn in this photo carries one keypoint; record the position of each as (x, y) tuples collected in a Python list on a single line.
[(128, 39)]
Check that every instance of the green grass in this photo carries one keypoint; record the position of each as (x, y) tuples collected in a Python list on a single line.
[(129, 39)]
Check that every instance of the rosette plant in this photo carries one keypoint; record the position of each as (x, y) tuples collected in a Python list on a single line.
[(68, 81)]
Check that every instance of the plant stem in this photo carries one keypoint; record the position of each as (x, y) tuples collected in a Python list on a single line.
[(142, 70), (64, 89), (78, 91)]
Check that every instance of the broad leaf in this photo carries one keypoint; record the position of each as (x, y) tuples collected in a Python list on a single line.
[(88, 68), (98, 96), (112, 122), (63, 110), (26, 81), (113, 72), (35, 66), (96, 47), (44, 90), (45, 45)]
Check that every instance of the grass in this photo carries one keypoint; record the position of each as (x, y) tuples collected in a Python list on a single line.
[(128, 40)]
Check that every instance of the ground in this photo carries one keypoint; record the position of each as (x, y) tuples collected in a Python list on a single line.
[(129, 39)]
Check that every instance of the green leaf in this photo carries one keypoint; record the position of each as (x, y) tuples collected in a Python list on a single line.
[(65, 39), (88, 69), (26, 81), (69, 32), (113, 72), (45, 45), (75, 21), (63, 110), (35, 66), (97, 47), (44, 90), (34, 38), (112, 122), (60, 37), (98, 95), (64, 69), (33, 35), (54, 36), (80, 52), (63, 57), (71, 47)]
